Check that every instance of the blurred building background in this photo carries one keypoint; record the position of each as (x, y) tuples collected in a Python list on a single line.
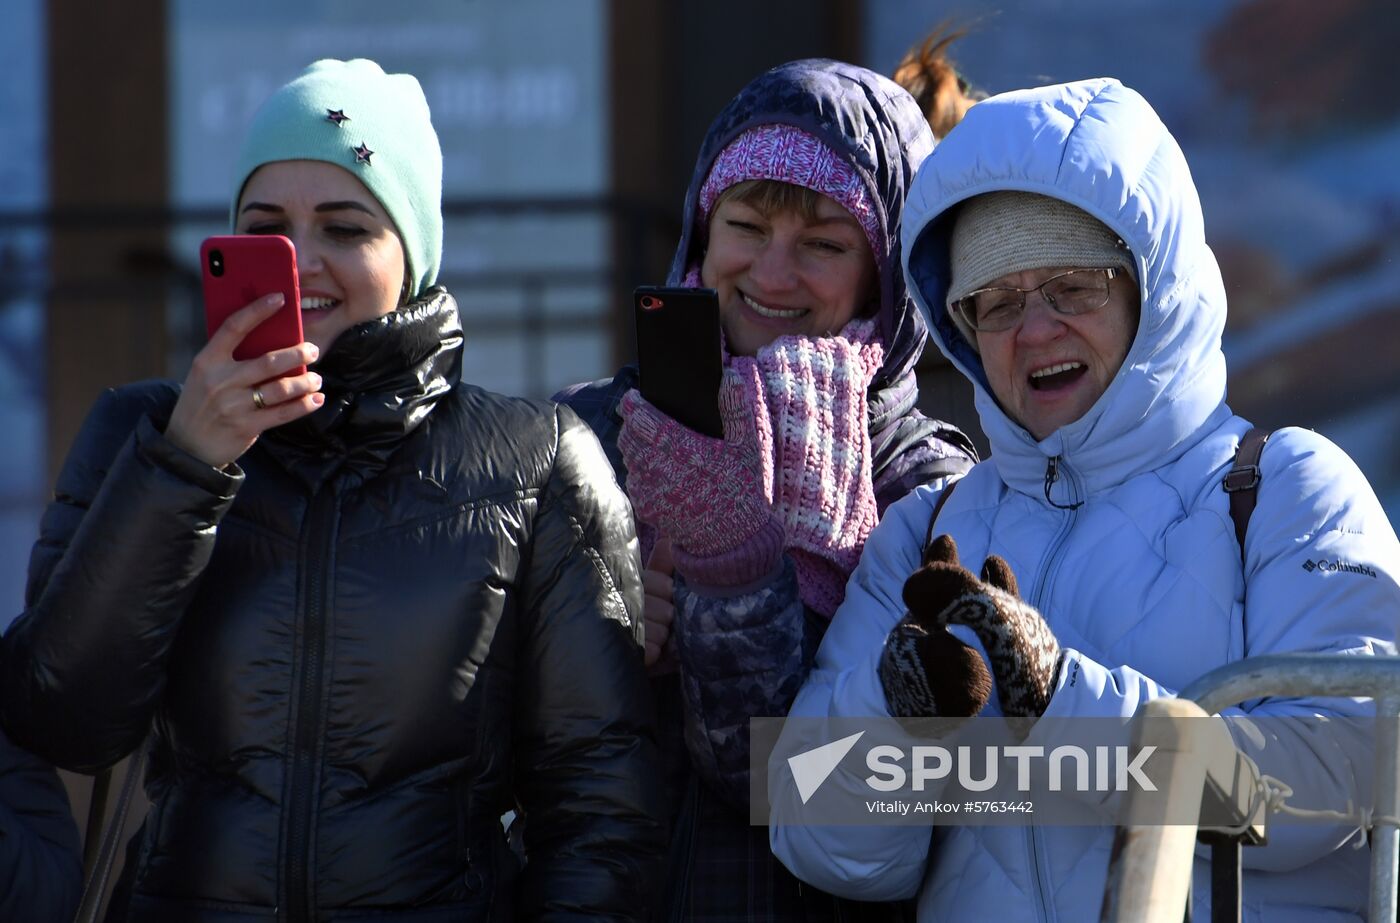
[(570, 129)]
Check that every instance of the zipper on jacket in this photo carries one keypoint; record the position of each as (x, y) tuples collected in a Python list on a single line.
[(1045, 908), (1053, 470), (317, 556)]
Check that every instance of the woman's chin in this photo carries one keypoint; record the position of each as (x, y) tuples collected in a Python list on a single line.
[(321, 328)]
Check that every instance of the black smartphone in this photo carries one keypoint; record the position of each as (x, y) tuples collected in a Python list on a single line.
[(678, 354)]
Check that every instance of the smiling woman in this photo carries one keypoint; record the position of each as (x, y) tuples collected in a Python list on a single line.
[(804, 271), (367, 609), (793, 218), (350, 260)]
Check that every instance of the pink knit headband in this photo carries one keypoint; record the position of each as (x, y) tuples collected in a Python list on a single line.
[(791, 155)]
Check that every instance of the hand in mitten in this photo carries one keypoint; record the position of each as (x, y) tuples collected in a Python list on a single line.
[(925, 670), (816, 388), (713, 498), (1021, 648)]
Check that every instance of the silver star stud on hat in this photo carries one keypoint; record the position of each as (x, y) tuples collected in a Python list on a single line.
[(363, 154), (337, 116)]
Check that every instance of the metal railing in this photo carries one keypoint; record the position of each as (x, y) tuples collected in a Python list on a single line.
[(1151, 871)]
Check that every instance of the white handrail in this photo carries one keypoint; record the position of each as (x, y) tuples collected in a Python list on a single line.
[(1150, 873), (1153, 852)]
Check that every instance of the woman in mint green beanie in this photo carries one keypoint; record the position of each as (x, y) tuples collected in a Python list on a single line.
[(358, 613)]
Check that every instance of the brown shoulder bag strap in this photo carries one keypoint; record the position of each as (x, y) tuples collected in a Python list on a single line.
[(933, 519), (1242, 480)]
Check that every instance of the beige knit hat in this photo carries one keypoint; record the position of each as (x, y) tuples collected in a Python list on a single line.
[(1003, 232)]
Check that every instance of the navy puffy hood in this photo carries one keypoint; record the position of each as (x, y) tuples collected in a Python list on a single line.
[(873, 122)]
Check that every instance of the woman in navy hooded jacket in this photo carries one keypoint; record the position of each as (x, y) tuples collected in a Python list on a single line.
[(1055, 243), (793, 217), (41, 874)]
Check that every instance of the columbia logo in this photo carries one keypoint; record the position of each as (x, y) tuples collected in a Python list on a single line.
[(1338, 566)]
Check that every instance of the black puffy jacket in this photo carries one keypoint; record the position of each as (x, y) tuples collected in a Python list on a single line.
[(408, 613)]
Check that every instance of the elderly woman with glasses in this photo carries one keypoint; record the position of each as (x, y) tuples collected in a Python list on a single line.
[(1091, 564)]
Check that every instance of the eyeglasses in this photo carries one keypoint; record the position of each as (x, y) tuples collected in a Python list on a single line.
[(1076, 291)]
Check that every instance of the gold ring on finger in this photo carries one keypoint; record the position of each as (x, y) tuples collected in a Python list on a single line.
[(259, 402)]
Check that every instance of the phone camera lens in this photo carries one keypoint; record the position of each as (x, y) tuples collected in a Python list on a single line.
[(650, 303), (216, 263)]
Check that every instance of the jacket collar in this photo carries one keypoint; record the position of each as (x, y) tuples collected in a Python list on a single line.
[(381, 380)]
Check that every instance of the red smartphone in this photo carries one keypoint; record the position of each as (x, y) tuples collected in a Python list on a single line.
[(239, 269), (678, 354)]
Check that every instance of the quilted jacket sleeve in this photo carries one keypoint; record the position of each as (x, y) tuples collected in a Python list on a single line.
[(741, 657), (41, 873), (120, 550), (588, 774), (873, 863)]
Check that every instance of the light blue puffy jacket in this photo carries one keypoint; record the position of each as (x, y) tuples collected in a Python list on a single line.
[(1142, 582)]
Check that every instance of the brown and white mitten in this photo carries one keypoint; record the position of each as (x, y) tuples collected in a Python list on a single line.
[(926, 671), (1022, 650)]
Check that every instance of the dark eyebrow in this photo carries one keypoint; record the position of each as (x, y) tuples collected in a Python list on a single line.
[(323, 207), (342, 206)]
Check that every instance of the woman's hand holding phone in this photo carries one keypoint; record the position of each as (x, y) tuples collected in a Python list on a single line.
[(226, 403), (713, 498)]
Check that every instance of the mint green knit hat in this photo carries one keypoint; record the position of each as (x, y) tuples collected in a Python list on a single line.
[(376, 126)]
